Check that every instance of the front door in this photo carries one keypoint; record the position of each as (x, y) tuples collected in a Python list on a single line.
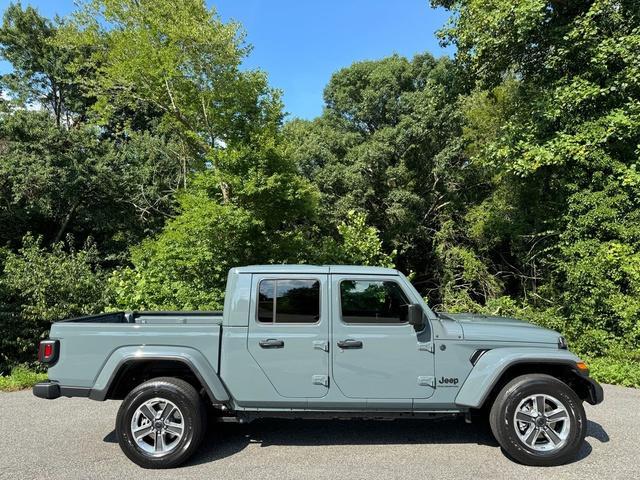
[(376, 353), (289, 333)]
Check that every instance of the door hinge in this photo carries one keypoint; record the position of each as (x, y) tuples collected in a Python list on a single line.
[(321, 345), (320, 380), (427, 382), (426, 346)]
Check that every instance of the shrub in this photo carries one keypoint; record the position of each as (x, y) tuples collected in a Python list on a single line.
[(619, 372), (20, 378), (40, 286)]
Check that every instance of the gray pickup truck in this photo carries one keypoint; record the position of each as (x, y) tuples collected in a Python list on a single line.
[(301, 341)]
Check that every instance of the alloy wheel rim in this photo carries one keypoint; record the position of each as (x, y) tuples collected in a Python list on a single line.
[(542, 423), (157, 426)]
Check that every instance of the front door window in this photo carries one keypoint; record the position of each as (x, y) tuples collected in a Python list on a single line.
[(378, 302)]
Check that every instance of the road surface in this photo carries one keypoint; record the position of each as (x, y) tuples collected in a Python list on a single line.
[(74, 439)]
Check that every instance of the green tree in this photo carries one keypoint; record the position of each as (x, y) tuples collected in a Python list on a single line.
[(186, 265), (559, 85), (387, 145), (55, 181), (52, 179), (357, 244), (179, 59), (39, 77), (62, 173)]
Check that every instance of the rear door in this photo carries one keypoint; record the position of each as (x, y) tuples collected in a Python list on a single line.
[(289, 333), (376, 353)]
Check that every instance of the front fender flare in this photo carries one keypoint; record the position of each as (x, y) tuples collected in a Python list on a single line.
[(191, 357), (490, 367)]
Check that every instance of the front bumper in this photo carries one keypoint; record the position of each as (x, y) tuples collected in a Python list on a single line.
[(50, 390), (595, 392)]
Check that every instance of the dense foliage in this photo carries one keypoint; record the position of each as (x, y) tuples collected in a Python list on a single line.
[(139, 162), (552, 121), (42, 284)]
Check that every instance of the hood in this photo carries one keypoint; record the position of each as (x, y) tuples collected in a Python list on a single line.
[(501, 329)]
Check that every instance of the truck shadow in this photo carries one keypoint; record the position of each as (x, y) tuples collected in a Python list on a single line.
[(224, 439), (595, 431)]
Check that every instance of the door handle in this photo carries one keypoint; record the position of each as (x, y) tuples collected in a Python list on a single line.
[(272, 343), (349, 343)]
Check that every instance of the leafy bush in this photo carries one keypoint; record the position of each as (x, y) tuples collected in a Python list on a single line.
[(358, 244), (20, 378), (185, 267), (619, 372), (40, 286)]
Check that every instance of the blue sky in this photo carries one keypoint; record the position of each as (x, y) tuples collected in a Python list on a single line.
[(301, 43)]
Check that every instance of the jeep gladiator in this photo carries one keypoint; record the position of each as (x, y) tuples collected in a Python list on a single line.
[(301, 341)]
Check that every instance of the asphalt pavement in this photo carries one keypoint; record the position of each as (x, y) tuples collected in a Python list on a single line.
[(74, 439)]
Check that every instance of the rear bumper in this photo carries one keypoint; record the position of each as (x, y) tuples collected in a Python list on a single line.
[(50, 390), (596, 394)]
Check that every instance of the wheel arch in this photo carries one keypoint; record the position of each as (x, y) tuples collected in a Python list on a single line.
[(128, 367), (499, 366)]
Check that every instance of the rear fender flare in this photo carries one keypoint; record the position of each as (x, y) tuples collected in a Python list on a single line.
[(191, 357)]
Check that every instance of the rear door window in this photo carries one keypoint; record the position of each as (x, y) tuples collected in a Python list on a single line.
[(289, 301)]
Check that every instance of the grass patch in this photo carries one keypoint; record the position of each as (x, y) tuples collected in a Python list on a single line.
[(615, 371), (20, 379)]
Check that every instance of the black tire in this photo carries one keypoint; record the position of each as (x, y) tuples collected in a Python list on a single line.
[(193, 420), (505, 428)]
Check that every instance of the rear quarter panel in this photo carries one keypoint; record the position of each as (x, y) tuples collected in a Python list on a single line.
[(85, 348)]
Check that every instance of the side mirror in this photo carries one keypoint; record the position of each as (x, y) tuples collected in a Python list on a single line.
[(415, 316)]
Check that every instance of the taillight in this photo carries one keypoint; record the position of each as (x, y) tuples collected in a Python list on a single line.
[(48, 351)]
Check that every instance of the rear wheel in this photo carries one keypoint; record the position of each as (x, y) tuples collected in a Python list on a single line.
[(538, 420), (161, 423)]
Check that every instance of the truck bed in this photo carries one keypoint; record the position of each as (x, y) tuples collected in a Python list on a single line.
[(212, 317), (92, 346)]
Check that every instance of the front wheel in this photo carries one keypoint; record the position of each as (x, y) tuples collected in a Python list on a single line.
[(161, 423), (538, 420)]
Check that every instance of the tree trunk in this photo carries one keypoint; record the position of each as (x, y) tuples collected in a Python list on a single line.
[(66, 221), (226, 192), (184, 171)]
